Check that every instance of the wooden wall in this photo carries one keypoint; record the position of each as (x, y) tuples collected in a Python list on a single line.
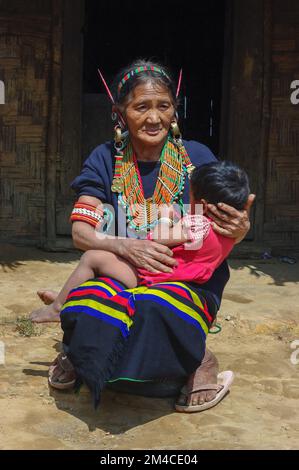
[(281, 222), (40, 123), (242, 90), (260, 125)]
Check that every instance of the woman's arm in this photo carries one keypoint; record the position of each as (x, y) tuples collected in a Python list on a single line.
[(141, 253), (84, 235)]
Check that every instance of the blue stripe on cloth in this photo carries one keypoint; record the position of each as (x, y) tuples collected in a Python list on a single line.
[(101, 316), (125, 294), (177, 311)]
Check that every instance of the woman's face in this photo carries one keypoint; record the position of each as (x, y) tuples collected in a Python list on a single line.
[(148, 114)]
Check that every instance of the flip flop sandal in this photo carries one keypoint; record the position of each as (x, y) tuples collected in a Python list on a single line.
[(224, 381), (64, 364)]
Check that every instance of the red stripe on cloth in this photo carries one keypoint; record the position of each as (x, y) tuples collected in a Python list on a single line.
[(178, 290), (81, 293), (130, 309), (110, 282), (206, 312), (118, 299)]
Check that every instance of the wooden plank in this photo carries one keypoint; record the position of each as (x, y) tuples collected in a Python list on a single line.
[(226, 78), (242, 140), (282, 182), (21, 7), (53, 134), (70, 163), (265, 123), (281, 227)]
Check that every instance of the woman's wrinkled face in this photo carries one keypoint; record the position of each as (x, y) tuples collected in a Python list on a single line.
[(148, 114)]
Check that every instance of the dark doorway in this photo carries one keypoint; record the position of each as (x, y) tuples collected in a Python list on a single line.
[(177, 33)]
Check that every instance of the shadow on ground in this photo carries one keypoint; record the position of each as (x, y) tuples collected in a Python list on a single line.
[(12, 257), (118, 411), (258, 268)]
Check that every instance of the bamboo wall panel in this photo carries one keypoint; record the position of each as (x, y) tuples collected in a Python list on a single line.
[(24, 68)]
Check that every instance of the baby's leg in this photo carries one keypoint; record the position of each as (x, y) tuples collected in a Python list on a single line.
[(105, 263), (51, 313), (93, 263)]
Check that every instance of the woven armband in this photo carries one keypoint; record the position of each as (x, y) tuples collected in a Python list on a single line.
[(85, 213)]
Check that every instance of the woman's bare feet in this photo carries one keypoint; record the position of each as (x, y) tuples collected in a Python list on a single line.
[(206, 373), (47, 296), (50, 313)]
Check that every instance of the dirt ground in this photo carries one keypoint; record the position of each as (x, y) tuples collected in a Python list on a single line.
[(259, 319)]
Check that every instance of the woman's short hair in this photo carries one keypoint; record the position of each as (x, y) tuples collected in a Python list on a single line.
[(150, 72), (220, 181)]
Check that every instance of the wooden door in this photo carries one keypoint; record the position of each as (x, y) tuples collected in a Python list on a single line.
[(282, 170)]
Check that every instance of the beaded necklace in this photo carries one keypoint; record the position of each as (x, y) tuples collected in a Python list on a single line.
[(142, 212)]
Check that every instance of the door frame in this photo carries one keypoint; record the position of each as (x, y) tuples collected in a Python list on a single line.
[(64, 129)]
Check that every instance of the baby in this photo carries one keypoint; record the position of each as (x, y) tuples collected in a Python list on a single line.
[(197, 248)]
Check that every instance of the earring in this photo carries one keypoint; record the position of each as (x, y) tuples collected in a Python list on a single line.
[(118, 138), (176, 133), (177, 138), (114, 116), (119, 145)]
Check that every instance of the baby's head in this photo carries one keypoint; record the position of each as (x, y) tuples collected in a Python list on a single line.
[(219, 181)]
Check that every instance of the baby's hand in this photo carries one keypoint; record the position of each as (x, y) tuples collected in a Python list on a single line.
[(179, 231), (165, 211)]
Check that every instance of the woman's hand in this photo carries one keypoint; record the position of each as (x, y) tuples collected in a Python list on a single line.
[(229, 221), (147, 254)]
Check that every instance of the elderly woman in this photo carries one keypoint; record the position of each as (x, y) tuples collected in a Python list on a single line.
[(165, 338)]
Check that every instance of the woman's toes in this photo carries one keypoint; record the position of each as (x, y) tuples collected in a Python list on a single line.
[(195, 398), (202, 398), (211, 395)]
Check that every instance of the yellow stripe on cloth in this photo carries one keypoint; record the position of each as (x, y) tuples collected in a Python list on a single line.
[(123, 317), (154, 290), (99, 284)]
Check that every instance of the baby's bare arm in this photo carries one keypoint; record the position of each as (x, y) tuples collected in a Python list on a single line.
[(170, 236)]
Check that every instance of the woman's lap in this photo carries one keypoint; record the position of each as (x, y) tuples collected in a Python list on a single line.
[(162, 337)]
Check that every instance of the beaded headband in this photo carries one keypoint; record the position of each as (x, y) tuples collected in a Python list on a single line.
[(144, 68)]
